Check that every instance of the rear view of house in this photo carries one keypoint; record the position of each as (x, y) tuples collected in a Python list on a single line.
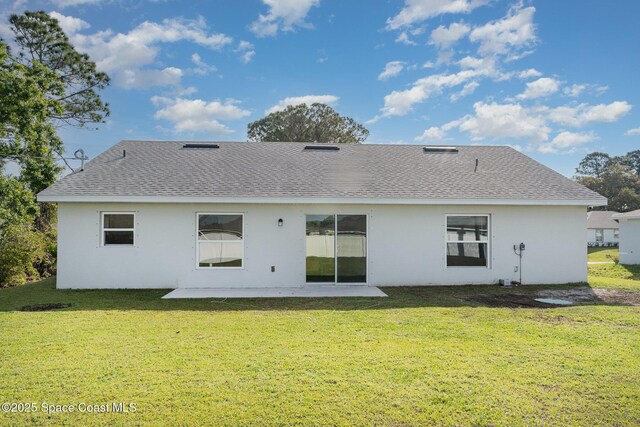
[(152, 214), (602, 230)]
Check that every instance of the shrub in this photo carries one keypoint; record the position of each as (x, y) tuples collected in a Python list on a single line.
[(21, 248)]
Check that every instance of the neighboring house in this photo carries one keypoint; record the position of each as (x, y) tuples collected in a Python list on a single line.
[(148, 214), (602, 230), (629, 236)]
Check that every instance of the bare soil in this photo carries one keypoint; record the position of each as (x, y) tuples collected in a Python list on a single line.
[(581, 295)]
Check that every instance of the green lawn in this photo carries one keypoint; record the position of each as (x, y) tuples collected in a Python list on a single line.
[(423, 356), (602, 254)]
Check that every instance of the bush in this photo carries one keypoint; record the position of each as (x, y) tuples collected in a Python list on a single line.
[(21, 248)]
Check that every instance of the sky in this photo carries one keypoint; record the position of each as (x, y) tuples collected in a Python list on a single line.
[(553, 79)]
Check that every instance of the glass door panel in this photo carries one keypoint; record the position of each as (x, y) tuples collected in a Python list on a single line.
[(351, 246), (321, 261)]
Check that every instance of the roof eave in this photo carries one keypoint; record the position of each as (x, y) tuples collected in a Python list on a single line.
[(318, 200)]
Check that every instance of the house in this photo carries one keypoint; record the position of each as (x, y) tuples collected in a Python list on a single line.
[(602, 230), (153, 214), (629, 236)]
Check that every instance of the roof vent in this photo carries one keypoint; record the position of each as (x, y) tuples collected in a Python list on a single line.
[(322, 147), (196, 145), (432, 149)]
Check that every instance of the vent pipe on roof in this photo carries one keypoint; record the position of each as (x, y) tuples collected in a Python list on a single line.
[(476, 168)]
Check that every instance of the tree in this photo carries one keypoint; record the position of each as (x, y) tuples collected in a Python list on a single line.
[(41, 41), (304, 123), (631, 160), (45, 85), (617, 182), (593, 164)]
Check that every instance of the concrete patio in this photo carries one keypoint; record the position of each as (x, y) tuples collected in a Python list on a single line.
[(314, 291)]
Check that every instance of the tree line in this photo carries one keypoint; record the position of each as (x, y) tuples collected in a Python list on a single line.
[(617, 178)]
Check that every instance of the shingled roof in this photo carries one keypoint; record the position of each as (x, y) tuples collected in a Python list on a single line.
[(172, 170), (601, 219)]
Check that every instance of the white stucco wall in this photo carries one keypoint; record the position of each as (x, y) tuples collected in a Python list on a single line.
[(406, 245), (608, 235), (630, 241)]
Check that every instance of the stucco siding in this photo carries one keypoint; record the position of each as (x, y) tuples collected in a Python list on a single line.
[(630, 241), (406, 245)]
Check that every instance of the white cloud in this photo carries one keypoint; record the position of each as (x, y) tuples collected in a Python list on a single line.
[(246, 51), (307, 99), (69, 24), (283, 15), (197, 115), (633, 132), (574, 90), (68, 3), (443, 37), (403, 37), (504, 121), (566, 142), (399, 103), (432, 134), (530, 73), (126, 56), (415, 11), (503, 36), (391, 69), (202, 68), (514, 121), (583, 114), (467, 90), (544, 86), (144, 79)]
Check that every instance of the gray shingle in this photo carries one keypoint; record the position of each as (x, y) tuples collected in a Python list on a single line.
[(601, 219), (244, 169)]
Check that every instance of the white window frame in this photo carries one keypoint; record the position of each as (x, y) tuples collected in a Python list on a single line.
[(601, 230), (488, 241), (241, 241), (103, 229)]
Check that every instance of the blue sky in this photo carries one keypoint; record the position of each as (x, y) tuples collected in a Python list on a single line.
[(555, 79)]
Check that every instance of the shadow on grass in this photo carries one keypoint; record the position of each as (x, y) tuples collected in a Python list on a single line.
[(43, 294)]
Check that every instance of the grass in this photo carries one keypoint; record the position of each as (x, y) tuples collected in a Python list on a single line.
[(602, 254), (615, 276), (423, 356)]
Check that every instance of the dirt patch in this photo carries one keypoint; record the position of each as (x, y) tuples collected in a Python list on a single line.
[(510, 300), (617, 296), (45, 307), (586, 294), (581, 295)]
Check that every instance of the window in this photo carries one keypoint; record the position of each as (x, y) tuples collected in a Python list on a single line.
[(616, 233), (220, 240), (467, 240), (118, 228), (599, 235)]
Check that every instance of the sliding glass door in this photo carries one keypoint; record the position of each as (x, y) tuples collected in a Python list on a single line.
[(336, 248)]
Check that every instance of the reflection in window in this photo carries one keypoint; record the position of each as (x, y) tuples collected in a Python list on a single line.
[(117, 228), (467, 241), (220, 240), (320, 242), (352, 248)]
